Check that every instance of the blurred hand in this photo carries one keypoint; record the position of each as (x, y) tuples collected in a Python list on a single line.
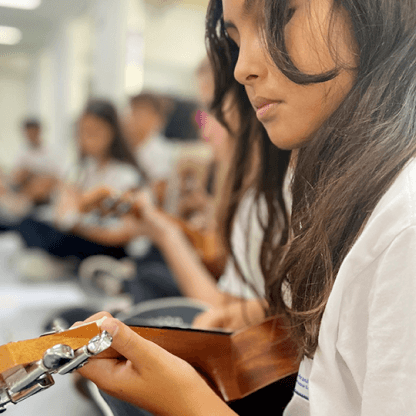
[(154, 223), (235, 315), (150, 377), (68, 201)]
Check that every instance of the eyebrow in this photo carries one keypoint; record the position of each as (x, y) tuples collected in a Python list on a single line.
[(247, 9), (228, 24), (248, 6)]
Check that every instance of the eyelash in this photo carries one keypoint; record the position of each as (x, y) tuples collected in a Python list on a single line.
[(290, 12), (231, 40)]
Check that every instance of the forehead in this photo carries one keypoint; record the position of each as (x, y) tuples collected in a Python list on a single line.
[(244, 8), (92, 120)]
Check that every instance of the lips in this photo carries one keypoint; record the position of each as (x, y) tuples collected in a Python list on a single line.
[(259, 102), (262, 110), (263, 106)]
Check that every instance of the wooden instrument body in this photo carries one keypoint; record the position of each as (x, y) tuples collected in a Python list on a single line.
[(233, 364)]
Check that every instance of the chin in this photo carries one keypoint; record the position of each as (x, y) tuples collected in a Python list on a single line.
[(286, 142)]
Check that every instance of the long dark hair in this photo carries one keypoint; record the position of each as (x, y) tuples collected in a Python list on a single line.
[(348, 165), (119, 150)]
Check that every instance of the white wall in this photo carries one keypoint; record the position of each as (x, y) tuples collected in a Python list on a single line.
[(174, 45), (13, 91), (59, 82)]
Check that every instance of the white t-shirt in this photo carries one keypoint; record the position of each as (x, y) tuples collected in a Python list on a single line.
[(156, 157), (246, 228), (365, 364), (116, 175), (40, 160)]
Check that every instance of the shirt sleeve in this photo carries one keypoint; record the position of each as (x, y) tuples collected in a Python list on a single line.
[(123, 178), (246, 239), (389, 382)]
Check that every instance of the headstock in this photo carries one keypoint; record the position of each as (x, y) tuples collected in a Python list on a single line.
[(26, 367)]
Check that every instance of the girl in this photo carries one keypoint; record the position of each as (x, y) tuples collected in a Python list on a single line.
[(104, 160), (334, 80)]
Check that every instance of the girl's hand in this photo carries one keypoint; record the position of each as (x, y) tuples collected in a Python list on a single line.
[(236, 315), (66, 209), (154, 223), (68, 200), (150, 377)]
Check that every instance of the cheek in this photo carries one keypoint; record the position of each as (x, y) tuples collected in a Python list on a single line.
[(308, 49), (105, 142), (318, 39), (306, 111)]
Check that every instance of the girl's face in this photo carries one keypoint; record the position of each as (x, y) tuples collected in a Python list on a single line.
[(290, 112), (213, 132), (95, 136)]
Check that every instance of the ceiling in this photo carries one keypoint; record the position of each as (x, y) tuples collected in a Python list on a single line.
[(38, 25), (165, 3)]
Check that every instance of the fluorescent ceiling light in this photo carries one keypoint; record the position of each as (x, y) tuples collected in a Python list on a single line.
[(20, 4), (10, 35)]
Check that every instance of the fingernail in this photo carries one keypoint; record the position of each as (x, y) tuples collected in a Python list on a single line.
[(110, 325), (99, 322)]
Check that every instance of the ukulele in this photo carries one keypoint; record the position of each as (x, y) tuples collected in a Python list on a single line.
[(206, 242), (233, 364)]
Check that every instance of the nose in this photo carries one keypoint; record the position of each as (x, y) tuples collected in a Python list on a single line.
[(250, 63)]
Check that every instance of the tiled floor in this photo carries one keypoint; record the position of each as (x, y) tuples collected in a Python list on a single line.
[(23, 309)]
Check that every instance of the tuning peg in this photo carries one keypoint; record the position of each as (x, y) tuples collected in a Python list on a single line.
[(57, 356), (62, 359), (4, 399), (52, 359), (97, 345)]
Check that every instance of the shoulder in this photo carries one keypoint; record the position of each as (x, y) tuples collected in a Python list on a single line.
[(393, 216), (398, 206), (369, 317)]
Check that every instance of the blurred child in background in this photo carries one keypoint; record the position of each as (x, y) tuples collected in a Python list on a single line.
[(144, 127), (104, 160), (34, 176)]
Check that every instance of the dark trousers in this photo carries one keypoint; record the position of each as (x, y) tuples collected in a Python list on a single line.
[(154, 280), (57, 243)]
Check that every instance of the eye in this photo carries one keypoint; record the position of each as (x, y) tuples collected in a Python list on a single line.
[(230, 39), (289, 14), (233, 43)]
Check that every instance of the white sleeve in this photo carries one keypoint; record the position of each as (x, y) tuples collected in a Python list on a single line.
[(230, 282), (389, 384), (21, 159), (127, 179), (246, 239), (123, 178)]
